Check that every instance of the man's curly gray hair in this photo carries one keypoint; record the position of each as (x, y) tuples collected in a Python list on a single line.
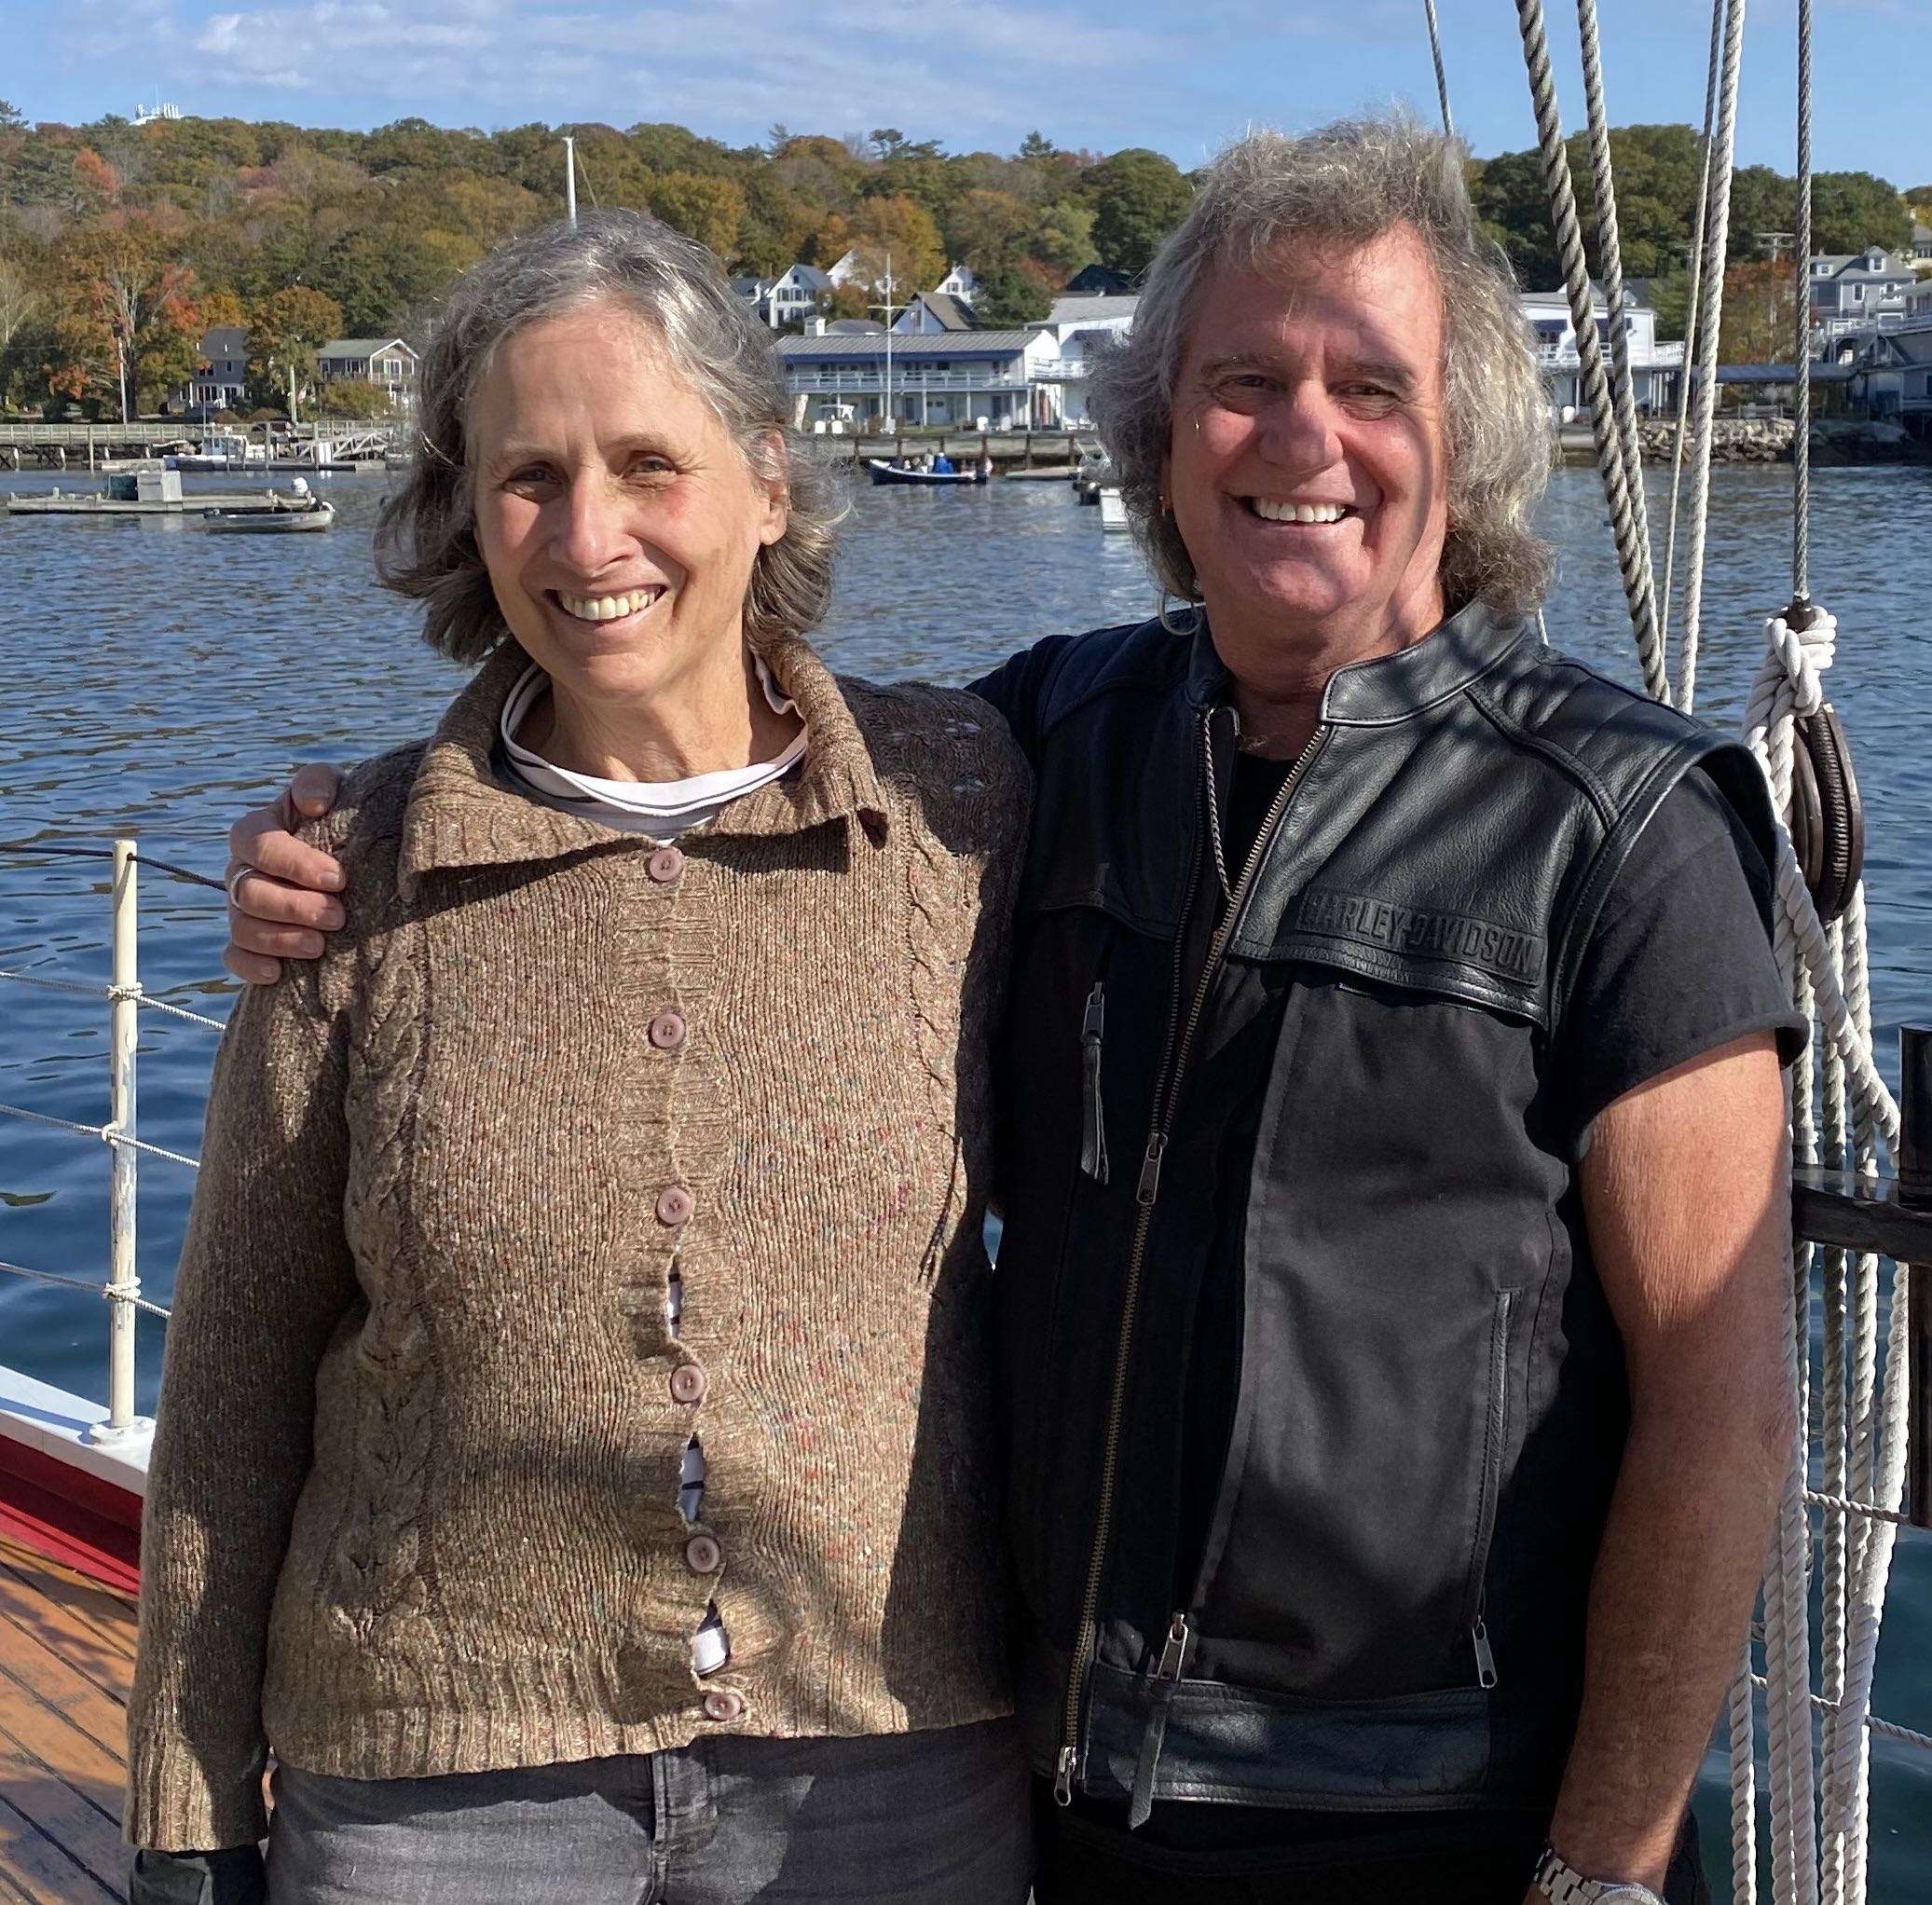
[(426, 542), (1340, 188)]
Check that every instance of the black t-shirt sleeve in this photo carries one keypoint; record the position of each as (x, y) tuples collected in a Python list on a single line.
[(1019, 685), (1679, 963)]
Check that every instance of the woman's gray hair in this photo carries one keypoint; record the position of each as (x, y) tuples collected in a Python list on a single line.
[(426, 543), (1340, 188)]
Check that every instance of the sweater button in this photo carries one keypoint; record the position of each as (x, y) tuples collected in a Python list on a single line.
[(664, 865), (673, 1205), (687, 1383), (667, 1030), (703, 1554), (724, 1705)]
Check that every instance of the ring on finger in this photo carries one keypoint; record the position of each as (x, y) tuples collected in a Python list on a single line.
[(234, 879)]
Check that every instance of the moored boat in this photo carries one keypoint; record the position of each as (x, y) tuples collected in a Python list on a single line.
[(293, 520), (884, 472)]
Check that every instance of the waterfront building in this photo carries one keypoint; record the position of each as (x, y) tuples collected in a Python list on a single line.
[(1098, 281), (756, 293), (387, 363), (796, 294), (1893, 381), (935, 311), (222, 382), (1922, 241), (954, 379), (1856, 294), (1655, 366), (1082, 325)]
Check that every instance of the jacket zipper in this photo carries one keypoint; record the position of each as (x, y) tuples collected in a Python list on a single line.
[(1499, 1419), (1173, 1067), (1093, 1125), (1167, 1677)]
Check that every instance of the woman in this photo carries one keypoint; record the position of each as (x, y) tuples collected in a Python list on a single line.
[(572, 1455)]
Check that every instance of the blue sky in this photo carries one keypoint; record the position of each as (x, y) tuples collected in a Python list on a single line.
[(971, 73)]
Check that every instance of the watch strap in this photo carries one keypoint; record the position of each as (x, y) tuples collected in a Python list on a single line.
[(1562, 1884)]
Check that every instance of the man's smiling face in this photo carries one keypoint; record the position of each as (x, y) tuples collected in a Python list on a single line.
[(1307, 465)]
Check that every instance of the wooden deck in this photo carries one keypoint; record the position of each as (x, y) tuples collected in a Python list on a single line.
[(66, 1660)]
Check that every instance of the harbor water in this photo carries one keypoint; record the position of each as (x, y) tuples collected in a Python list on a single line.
[(160, 679)]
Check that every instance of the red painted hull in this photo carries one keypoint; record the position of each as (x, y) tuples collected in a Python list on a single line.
[(73, 1517)]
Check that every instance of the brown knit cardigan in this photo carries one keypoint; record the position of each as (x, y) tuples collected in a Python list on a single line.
[(413, 1504)]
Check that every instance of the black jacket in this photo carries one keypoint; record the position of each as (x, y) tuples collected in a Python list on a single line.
[(1385, 1606)]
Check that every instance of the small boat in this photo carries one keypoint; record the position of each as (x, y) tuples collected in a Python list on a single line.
[(884, 472), (302, 519), (1112, 513)]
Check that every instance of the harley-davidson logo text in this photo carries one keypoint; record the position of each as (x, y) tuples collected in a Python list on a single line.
[(1406, 929)]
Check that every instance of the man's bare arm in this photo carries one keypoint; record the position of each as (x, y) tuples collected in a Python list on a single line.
[(280, 903), (1687, 1197)]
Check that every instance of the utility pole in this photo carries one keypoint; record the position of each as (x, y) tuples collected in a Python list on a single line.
[(889, 309), (571, 180)]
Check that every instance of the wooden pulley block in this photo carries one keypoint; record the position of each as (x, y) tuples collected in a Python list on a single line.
[(1826, 818)]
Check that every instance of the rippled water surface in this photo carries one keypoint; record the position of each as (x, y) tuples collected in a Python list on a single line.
[(159, 679)]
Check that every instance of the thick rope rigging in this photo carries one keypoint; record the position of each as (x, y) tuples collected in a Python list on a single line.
[(1442, 76), (1633, 555), (1699, 224), (1716, 239)]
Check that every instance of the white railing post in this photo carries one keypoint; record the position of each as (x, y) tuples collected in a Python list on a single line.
[(124, 1278)]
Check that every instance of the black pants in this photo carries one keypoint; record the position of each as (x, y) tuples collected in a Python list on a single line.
[(1445, 1858)]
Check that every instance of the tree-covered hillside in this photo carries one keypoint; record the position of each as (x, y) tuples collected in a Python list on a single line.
[(121, 245)]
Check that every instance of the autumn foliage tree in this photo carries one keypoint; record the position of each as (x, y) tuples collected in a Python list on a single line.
[(1759, 316), (286, 331), (130, 326)]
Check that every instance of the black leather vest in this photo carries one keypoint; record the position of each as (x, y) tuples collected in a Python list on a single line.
[(1388, 1610)]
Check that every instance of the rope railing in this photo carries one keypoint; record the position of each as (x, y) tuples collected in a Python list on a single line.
[(106, 1133), (106, 1291), (125, 1000), (146, 1001)]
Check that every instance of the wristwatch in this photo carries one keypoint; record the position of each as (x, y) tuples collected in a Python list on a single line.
[(1559, 1884)]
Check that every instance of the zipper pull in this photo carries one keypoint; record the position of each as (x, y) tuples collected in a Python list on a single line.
[(1150, 1169), (1093, 1131), (1485, 1660), (1173, 1655), (1063, 1778)]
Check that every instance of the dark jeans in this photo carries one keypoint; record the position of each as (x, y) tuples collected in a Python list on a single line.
[(1444, 1859), (924, 1818)]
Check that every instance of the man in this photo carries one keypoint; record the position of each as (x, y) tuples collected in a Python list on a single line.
[(1396, 1223)]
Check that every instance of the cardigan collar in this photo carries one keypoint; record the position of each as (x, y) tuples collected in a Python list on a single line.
[(460, 814)]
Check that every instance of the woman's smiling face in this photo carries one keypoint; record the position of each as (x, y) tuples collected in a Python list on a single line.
[(1308, 464), (616, 516)]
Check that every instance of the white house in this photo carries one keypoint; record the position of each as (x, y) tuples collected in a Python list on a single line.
[(950, 379), (1864, 290), (795, 296), (1081, 328), (1922, 241), (1654, 368), (960, 282), (386, 362)]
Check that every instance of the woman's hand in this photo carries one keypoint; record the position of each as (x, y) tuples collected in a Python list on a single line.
[(279, 890)]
